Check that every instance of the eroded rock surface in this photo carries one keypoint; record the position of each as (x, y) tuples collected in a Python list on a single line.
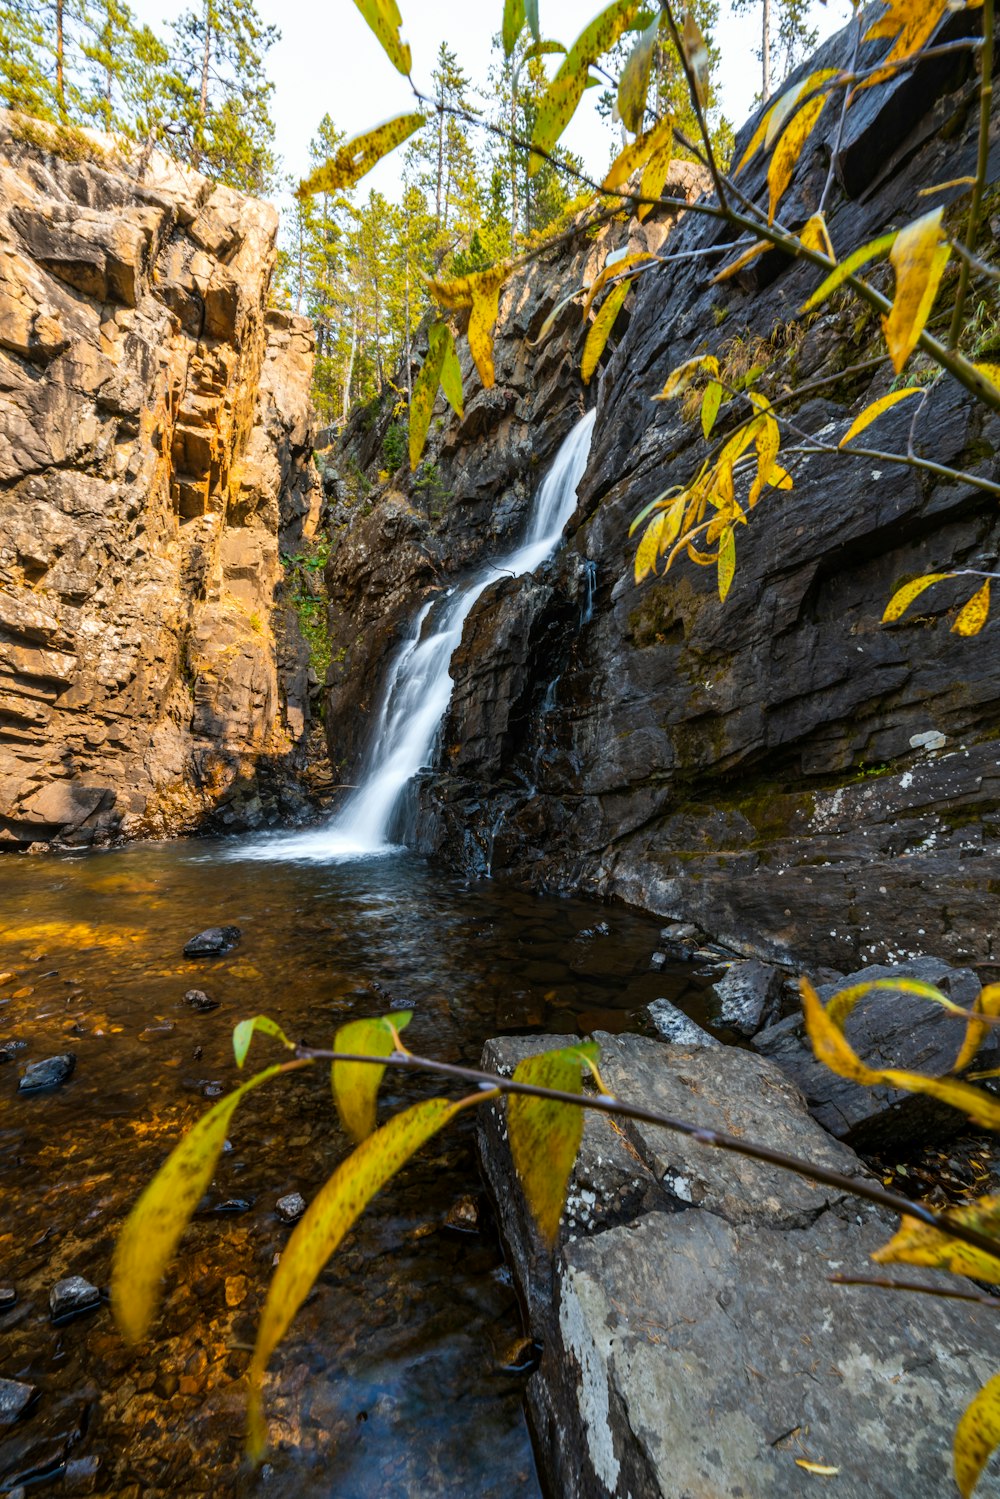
[(155, 435), (693, 1343)]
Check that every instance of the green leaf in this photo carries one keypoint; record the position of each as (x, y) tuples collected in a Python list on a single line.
[(977, 1436), (633, 86), (331, 1214), (385, 20), (425, 388), (513, 24), (564, 93), (356, 157), (600, 329), (847, 267), (710, 403), (451, 370), (355, 1084), (243, 1035), (153, 1229), (545, 1135), (727, 561)]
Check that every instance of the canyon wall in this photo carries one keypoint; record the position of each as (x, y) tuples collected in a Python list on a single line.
[(155, 445), (780, 768)]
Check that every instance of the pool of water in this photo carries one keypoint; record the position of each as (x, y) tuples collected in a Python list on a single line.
[(398, 1376)]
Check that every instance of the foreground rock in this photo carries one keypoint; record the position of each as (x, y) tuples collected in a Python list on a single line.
[(887, 1029), (692, 1341), (155, 427)]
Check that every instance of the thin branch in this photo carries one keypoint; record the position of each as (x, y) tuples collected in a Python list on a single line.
[(913, 1285), (695, 97), (982, 166), (607, 1104), (980, 266)]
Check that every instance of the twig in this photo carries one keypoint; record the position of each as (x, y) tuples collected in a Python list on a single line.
[(982, 166), (694, 95), (913, 1285)]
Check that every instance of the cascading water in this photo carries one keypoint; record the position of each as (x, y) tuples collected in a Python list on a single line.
[(419, 684)]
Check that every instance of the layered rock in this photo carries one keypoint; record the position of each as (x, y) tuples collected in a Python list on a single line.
[(154, 438)]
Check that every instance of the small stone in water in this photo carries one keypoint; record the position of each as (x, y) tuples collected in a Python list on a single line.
[(236, 1290), (161, 1028), (463, 1215), (8, 1296), (212, 942), (200, 1001), (15, 1398), (658, 960), (599, 929), (71, 1297), (50, 1073), (233, 1205), (290, 1207)]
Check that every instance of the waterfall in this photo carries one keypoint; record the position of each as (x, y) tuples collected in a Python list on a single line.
[(418, 685)]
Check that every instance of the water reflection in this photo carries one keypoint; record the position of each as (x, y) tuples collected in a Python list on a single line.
[(390, 1382)]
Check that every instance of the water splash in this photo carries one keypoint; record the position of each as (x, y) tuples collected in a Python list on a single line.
[(418, 687)]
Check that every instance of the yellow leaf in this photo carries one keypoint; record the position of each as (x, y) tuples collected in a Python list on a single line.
[(741, 261), (243, 1035), (153, 1228), (633, 85), (823, 1469), (834, 1051), (780, 478), (727, 561), (679, 379), (781, 111), (768, 442), (352, 160), (647, 509), (916, 1243), (631, 157), (657, 169), (385, 20), (903, 597), (513, 24), (875, 410), (940, 187), (545, 1135), (977, 1436), (564, 93), (440, 337), (815, 236), (788, 151), (987, 1003), (355, 1084), (756, 140), (649, 547), (973, 615), (425, 388), (616, 268), (991, 372), (481, 293), (740, 440), (550, 321), (600, 329), (854, 262), (331, 1214), (919, 257), (670, 529), (911, 22), (697, 57), (710, 403)]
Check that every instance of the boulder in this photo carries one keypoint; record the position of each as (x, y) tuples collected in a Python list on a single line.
[(748, 995), (693, 1343), (213, 942), (887, 1029), (50, 1073)]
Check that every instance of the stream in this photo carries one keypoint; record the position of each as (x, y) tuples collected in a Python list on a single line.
[(400, 1375)]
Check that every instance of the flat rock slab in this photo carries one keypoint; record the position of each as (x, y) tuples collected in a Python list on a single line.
[(693, 1344), (886, 1029), (212, 942), (50, 1073)]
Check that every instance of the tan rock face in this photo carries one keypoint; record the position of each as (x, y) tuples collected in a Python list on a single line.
[(155, 442)]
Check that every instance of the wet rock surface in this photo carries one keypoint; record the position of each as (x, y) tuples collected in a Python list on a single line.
[(71, 1297), (157, 429), (887, 1028), (52, 1072), (666, 1368), (290, 1207), (211, 943), (671, 1024), (748, 996), (15, 1397)]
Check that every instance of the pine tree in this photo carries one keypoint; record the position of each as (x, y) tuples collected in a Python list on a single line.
[(784, 28), (27, 60)]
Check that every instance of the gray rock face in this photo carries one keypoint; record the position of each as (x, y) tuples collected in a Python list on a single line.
[(50, 1073), (71, 1297), (748, 996), (886, 1029), (154, 440), (700, 1349), (674, 1026)]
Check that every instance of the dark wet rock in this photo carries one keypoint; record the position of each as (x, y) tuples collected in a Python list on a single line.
[(748, 995), (654, 1327), (290, 1207), (80, 1476), (212, 942), (658, 961), (72, 1297), (200, 1002), (886, 1029), (50, 1073), (463, 1215), (232, 1205), (599, 929), (8, 1297), (673, 1025), (15, 1398)]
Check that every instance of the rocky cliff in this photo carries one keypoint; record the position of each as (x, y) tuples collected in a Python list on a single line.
[(155, 441), (780, 768)]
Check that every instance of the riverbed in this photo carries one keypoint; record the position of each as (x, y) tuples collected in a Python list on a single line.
[(403, 1373)]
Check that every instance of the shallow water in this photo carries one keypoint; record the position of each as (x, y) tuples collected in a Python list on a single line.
[(392, 1381)]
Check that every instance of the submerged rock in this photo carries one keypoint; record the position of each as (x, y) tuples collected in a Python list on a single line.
[(888, 1029), (15, 1397), (50, 1073), (212, 942), (290, 1207), (200, 1002), (71, 1297), (8, 1297)]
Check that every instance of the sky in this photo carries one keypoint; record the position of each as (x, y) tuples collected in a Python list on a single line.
[(329, 62)]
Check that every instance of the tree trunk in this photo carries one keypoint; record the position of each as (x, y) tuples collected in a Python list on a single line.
[(440, 166), (206, 58), (60, 53), (406, 314), (378, 341), (513, 163), (350, 365), (765, 51)]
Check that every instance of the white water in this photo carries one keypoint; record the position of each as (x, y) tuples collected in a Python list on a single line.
[(419, 684)]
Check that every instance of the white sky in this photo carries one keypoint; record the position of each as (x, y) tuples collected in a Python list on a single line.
[(329, 62)]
